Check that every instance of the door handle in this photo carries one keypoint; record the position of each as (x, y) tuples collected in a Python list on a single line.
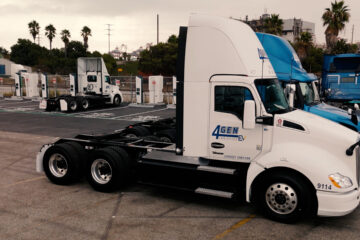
[(217, 145)]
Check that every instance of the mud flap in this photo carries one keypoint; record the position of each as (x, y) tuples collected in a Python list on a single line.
[(63, 105)]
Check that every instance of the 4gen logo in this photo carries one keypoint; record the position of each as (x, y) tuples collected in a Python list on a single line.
[(227, 132)]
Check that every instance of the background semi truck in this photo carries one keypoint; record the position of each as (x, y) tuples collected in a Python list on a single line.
[(90, 87), (299, 85), (340, 79), (236, 136)]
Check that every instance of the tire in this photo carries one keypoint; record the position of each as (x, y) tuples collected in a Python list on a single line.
[(124, 155), (83, 156), (117, 100), (168, 135), (61, 164), (106, 170), (73, 105), (137, 131), (152, 138), (285, 198), (85, 104)]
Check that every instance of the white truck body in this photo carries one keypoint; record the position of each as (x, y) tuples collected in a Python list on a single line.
[(233, 118)]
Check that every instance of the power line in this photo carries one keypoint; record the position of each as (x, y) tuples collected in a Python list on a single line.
[(109, 34)]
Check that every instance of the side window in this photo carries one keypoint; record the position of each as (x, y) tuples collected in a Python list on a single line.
[(231, 99), (107, 79), (91, 78)]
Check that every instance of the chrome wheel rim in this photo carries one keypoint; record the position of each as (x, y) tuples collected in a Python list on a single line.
[(281, 198), (101, 171), (58, 165)]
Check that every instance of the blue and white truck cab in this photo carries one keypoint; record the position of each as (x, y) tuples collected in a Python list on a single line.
[(294, 77), (236, 136)]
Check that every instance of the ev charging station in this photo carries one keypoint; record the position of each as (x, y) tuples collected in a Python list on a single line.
[(31, 84), (139, 90), (44, 86), (73, 87), (18, 92), (155, 89)]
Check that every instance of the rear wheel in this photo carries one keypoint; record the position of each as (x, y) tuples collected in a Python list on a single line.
[(61, 164), (285, 198), (137, 131), (107, 170), (73, 105), (85, 103)]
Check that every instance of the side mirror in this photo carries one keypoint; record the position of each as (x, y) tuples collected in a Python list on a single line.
[(249, 114), (350, 111), (290, 89)]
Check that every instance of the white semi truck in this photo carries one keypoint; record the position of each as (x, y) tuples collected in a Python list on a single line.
[(236, 136), (91, 87)]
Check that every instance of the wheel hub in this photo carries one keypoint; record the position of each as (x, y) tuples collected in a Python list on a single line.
[(281, 198), (101, 171), (58, 165)]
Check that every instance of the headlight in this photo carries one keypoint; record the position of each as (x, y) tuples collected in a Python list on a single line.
[(340, 181)]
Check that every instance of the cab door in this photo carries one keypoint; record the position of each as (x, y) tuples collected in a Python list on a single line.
[(228, 139)]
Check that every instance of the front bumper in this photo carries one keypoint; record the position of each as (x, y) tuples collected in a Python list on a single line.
[(333, 204)]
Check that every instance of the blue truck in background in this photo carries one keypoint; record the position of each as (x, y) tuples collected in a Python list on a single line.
[(340, 79), (299, 84)]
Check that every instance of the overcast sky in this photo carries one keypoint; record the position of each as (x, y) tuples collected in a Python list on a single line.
[(134, 21)]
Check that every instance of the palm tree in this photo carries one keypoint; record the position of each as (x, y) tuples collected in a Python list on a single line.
[(34, 29), (50, 32), (303, 44), (335, 19), (85, 33), (273, 24), (65, 35)]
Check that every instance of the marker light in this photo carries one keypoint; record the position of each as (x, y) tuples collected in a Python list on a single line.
[(340, 181)]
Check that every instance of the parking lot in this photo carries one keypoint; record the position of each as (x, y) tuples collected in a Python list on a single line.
[(33, 208)]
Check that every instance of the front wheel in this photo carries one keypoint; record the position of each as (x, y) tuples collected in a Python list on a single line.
[(285, 198), (117, 100)]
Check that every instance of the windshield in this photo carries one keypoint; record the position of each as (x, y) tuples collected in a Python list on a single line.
[(309, 93), (272, 95)]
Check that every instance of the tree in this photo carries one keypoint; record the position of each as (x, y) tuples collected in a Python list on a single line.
[(160, 58), (65, 37), (76, 49), (335, 19), (85, 33), (302, 44), (273, 24), (341, 46), (34, 29), (50, 32), (4, 53)]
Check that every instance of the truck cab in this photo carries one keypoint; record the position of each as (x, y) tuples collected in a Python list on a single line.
[(235, 136), (299, 86), (340, 78), (94, 79)]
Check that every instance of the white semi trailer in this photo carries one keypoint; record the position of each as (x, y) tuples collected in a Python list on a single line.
[(91, 87), (236, 136)]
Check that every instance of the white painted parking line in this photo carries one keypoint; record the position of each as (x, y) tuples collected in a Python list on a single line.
[(134, 114), (94, 111)]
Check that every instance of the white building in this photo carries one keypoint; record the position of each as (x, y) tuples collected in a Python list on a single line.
[(292, 28), (9, 68)]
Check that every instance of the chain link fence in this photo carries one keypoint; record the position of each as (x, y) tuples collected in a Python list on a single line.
[(60, 85)]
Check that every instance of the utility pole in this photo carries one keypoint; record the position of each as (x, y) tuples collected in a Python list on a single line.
[(109, 34), (352, 35), (157, 25)]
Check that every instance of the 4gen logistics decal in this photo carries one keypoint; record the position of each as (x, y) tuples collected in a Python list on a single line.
[(224, 132)]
